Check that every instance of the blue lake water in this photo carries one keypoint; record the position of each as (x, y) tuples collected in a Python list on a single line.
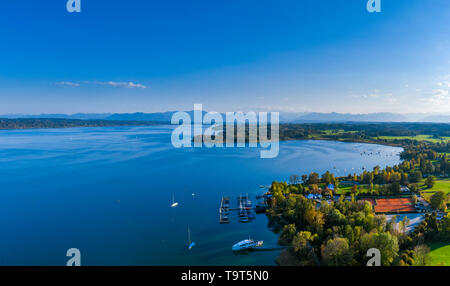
[(107, 192)]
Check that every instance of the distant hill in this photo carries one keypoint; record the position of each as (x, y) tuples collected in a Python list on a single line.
[(285, 117), (80, 116), (347, 117), (31, 123), (140, 116), (437, 118)]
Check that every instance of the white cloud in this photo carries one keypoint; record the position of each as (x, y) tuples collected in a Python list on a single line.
[(438, 100), (440, 93), (375, 94), (68, 83), (123, 84), (444, 81), (118, 84)]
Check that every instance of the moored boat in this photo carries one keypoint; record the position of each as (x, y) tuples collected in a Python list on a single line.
[(246, 244)]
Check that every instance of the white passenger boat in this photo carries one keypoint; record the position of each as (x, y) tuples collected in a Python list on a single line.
[(247, 245)]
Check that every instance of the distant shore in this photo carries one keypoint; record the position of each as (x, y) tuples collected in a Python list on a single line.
[(43, 123)]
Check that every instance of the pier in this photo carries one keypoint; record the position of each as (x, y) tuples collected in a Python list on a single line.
[(267, 248), (224, 210), (246, 212)]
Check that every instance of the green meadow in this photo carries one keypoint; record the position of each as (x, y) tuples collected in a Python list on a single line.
[(440, 253), (440, 185), (428, 138)]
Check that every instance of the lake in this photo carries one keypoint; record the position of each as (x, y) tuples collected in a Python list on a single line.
[(108, 191)]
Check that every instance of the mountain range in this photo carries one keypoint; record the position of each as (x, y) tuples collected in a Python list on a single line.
[(285, 117)]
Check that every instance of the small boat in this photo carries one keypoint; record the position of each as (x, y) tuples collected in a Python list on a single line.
[(244, 219), (191, 243), (243, 216), (174, 204), (225, 219), (248, 202), (246, 244), (223, 211)]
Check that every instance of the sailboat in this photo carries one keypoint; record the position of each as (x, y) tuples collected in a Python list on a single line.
[(191, 243), (174, 204)]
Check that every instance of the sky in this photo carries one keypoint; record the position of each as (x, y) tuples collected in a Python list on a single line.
[(229, 55)]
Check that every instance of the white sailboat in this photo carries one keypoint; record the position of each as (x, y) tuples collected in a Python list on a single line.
[(191, 243), (174, 204)]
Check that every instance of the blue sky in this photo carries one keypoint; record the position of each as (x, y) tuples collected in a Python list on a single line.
[(233, 55)]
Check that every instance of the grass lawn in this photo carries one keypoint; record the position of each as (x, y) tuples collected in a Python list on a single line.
[(418, 138), (325, 134), (440, 253), (343, 189), (441, 185)]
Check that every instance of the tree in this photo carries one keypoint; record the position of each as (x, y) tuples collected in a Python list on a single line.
[(314, 219), (301, 241), (385, 242), (336, 252), (327, 178), (294, 179), (422, 255), (430, 181), (302, 247), (438, 200), (406, 258), (335, 217), (395, 188), (404, 179), (416, 177), (414, 199), (287, 234), (403, 225), (314, 189), (414, 188), (304, 178), (313, 178), (354, 189)]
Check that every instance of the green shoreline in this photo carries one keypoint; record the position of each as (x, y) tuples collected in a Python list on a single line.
[(311, 244)]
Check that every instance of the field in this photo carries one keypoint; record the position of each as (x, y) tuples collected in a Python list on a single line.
[(343, 189), (441, 185), (428, 138), (325, 134), (440, 253)]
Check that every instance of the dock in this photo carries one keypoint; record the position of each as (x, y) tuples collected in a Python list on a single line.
[(224, 210), (245, 210), (267, 248)]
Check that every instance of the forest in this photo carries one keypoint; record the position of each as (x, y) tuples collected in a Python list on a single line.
[(340, 231)]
